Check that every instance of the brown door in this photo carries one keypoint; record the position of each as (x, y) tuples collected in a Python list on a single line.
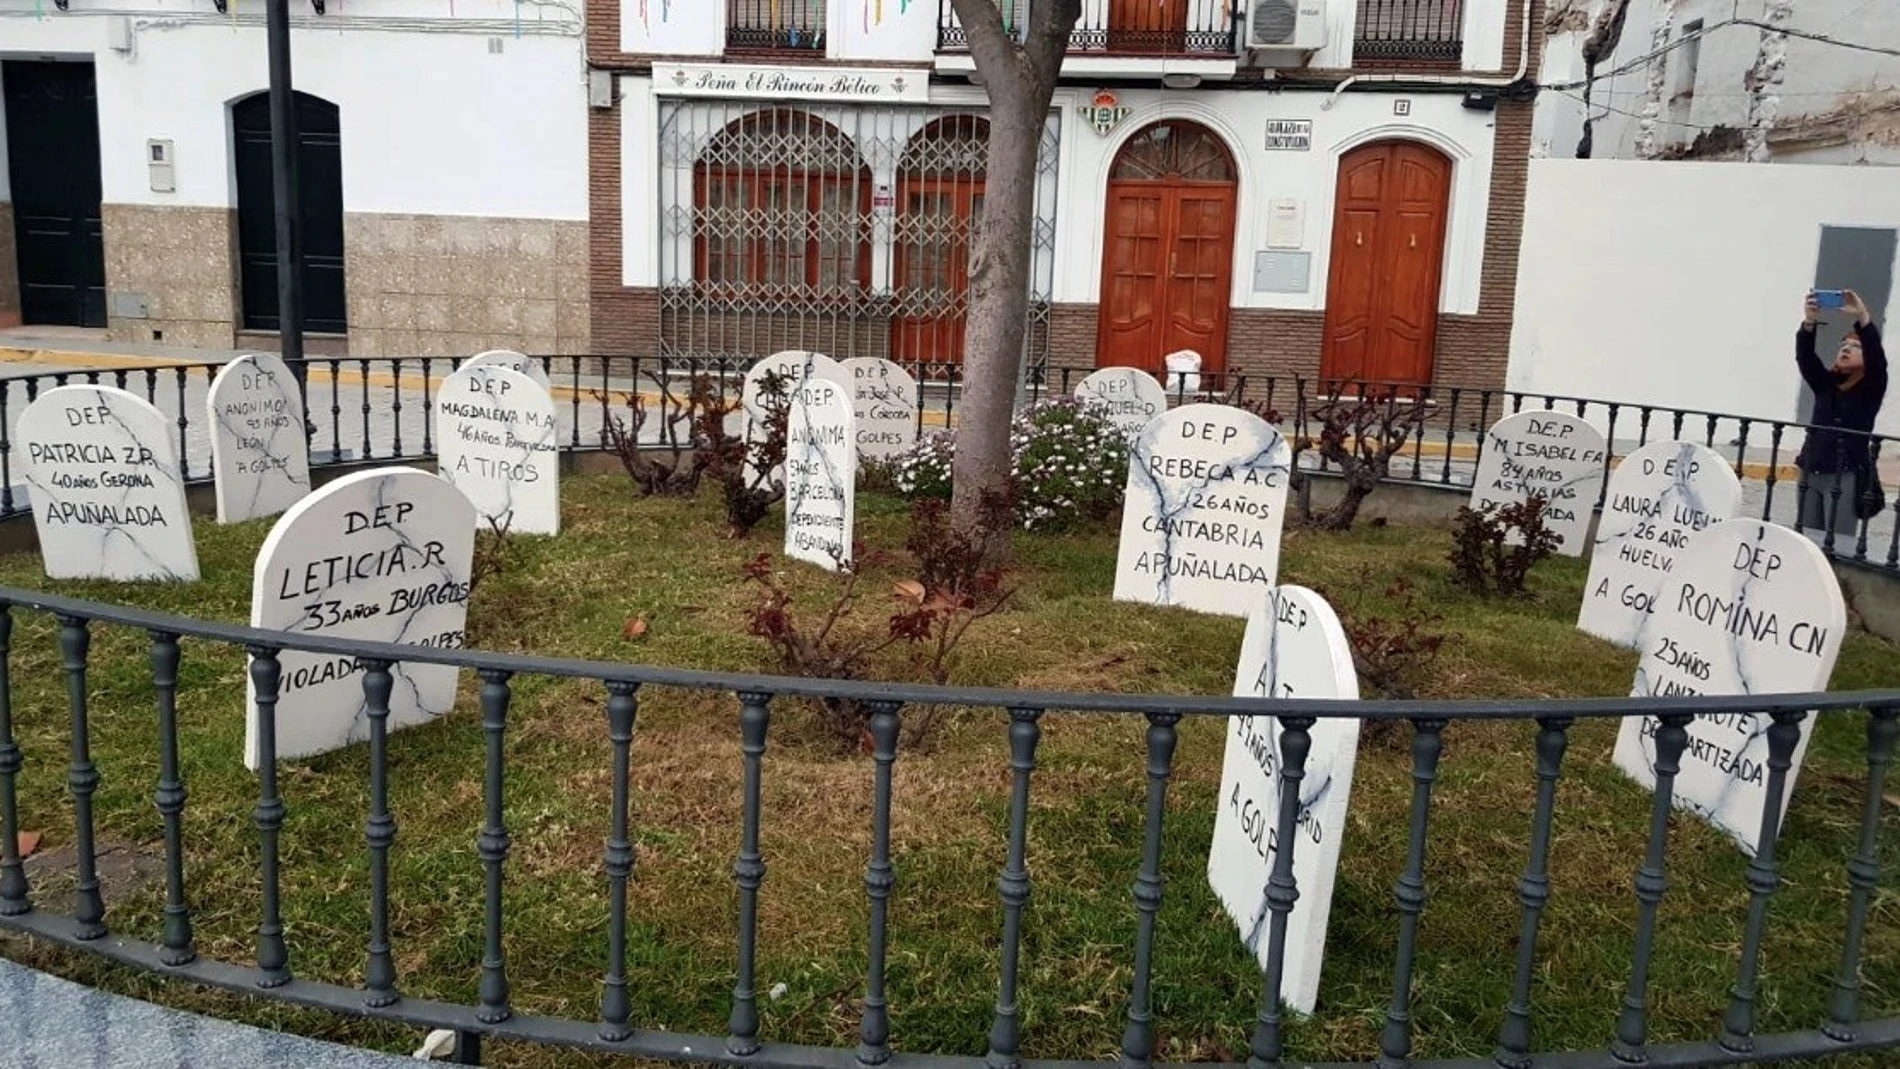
[(1387, 260), (935, 231), (1150, 26)]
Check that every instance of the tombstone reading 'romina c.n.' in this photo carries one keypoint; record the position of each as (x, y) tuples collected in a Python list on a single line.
[(1659, 496), (102, 478), (1294, 648), (495, 442), (1749, 608), (884, 401), (795, 366), (821, 472), (1128, 395), (1205, 504), (1549, 454), (383, 556), (513, 361), (260, 457)]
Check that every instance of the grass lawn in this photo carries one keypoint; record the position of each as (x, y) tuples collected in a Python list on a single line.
[(663, 560)]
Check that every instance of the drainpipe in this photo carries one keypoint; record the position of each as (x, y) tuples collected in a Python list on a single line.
[(1523, 68), (283, 159)]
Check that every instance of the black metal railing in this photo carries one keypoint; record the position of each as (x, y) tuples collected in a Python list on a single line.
[(1123, 27), (775, 25), (1416, 31)]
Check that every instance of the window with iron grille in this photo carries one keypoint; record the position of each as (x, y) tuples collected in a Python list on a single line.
[(775, 24), (781, 198), (1427, 32)]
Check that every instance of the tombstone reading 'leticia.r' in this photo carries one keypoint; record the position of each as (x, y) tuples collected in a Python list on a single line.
[(260, 457), (513, 361), (384, 556), (103, 481), (1294, 648), (884, 401), (1205, 505), (495, 442), (1549, 454), (821, 472), (1659, 496), (794, 366), (1749, 608), (1129, 396)]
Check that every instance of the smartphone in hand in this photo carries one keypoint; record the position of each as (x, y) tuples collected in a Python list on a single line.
[(1830, 298)]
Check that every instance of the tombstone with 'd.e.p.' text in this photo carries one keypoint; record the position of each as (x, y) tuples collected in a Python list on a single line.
[(1128, 396), (790, 368), (1749, 608), (884, 402), (496, 442), (513, 361), (821, 473), (1551, 455), (260, 456)]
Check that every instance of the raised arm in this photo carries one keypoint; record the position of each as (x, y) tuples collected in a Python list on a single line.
[(1813, 372), (1872, 352)]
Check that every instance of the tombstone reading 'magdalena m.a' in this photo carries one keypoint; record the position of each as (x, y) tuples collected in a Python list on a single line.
[(382, 556), (884, 401), (1750, 608), (1549, 454), (1205, 504), (821, 472), (1659, 496), (260, 458), (1294, 648), (495, 439), (103, 481), (1129, 396)]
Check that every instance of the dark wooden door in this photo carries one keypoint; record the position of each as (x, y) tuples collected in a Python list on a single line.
[(320, 193), (1387, 262), (1167, 273), (936, 230), (1147, 26), (1200, 272), (53, 152)]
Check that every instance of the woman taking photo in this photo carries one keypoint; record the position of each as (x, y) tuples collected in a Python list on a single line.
[(1836, 465)]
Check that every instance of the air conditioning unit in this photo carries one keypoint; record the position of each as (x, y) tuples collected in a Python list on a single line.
[(1298, 25)]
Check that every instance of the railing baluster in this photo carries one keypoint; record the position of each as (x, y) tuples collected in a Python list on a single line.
[(273, 957), (362, 368), (379, 833), (82, 779), (874, 1033), (1774, 472), (14, 899), (1451, 433), (428, 412), (1763, 878), (748, 871), (184, 460), (395, 408), (574, 420), (492, 846), (1025, 731), (1533, 891), (336, 410), (1632, 1024), (1283, 891), (6, 454), (1395, 1040), (1863, 875), (1138, 1039), (623, 704), (170, 800)]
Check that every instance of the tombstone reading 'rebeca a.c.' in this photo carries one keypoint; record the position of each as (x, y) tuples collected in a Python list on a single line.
[(1205, 504), (794, 366), (1129, 396), (103, 481), (513, 361), (1659, 496), (884, 401), (260, 457), (821, 473), (1294, 648), (383, 556), (495, 442), (1749, 608), (1551, 454)]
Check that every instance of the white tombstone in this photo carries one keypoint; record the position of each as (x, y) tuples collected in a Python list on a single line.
[(796, 365), (260, 457), (821, 472), (884, 400), (383, 556), (1750, 608), (1184, 372), (103, 481), (1659, 496), (513, 361), (1129, 396), (496, 442), (1205, 504), (1551, 454), (1294, 648)]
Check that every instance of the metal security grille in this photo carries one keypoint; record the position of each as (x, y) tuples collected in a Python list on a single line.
[(765, 25), (847, 230), (1417, 30)]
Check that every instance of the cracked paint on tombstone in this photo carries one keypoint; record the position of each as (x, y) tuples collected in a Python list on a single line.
[(796, 365), (821, 461), (260, 456), (1553, 455), (496, 443)]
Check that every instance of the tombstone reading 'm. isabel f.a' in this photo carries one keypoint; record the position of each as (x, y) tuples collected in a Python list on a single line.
[(1750, 608), (1129, 396), (1659, 496), (884, 402), (383, 556), (108, 499), (495, 442), (821, 471), (1294, 648), (1205, 504), (1544, 454), (260, 458)]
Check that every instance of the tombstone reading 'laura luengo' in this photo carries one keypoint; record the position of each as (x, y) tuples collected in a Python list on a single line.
[(103, 481), (1205, 503), (821, 473), (513, 361), (1749, 608), (382, 556), (495, 442), (1659, 496), (884, 401), (1294, 648), (793, 366), (1548, 454), (1129, 396), (260, 458)]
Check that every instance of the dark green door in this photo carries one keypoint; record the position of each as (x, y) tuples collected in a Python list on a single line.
[(53, 154), (320, 190)]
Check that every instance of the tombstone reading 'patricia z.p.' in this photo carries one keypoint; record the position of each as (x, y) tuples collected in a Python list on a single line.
[(821, 473), (1205, 504), (1294, 648), (103, 481), (260, 457), (495, 442), (884, 402), (1659, 496), (1749, 608), (1129, 396), (1548, 454), (383, 556)]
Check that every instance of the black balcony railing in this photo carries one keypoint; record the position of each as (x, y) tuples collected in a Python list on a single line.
[(1415, 31), (1123, 27), (775, 25)]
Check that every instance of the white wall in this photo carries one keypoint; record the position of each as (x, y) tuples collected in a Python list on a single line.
[(672, 27), (1679, 283)]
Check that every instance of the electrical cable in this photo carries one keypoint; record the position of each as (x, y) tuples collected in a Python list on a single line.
[(1643, 60)]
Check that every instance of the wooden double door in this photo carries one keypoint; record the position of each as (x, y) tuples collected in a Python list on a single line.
[(1388, 247)]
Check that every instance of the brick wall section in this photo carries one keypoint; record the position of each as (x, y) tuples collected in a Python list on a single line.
[(623, 320), (9, 270)]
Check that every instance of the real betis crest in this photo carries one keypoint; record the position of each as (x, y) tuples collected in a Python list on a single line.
[(1104, 111)]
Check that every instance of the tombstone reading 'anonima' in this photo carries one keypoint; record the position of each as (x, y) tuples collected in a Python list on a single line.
[(383, 556), (260, 459), (1128, 395), (1294, 648), (1659, 496), (1205, 504), (103, 481), (795, 365), (1749, 608), (513, 361), (821, 470), (495, 442), (884, 402), (1550, 454)]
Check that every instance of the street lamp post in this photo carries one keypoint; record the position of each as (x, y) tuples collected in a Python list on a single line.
[(283, 156)]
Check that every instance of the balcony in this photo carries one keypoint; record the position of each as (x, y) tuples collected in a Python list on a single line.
[(775, 26), (1411, 33), (1152, 29)]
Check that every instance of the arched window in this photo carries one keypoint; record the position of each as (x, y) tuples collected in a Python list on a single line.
[(782, 202), (1174, 150), (940, 207)]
